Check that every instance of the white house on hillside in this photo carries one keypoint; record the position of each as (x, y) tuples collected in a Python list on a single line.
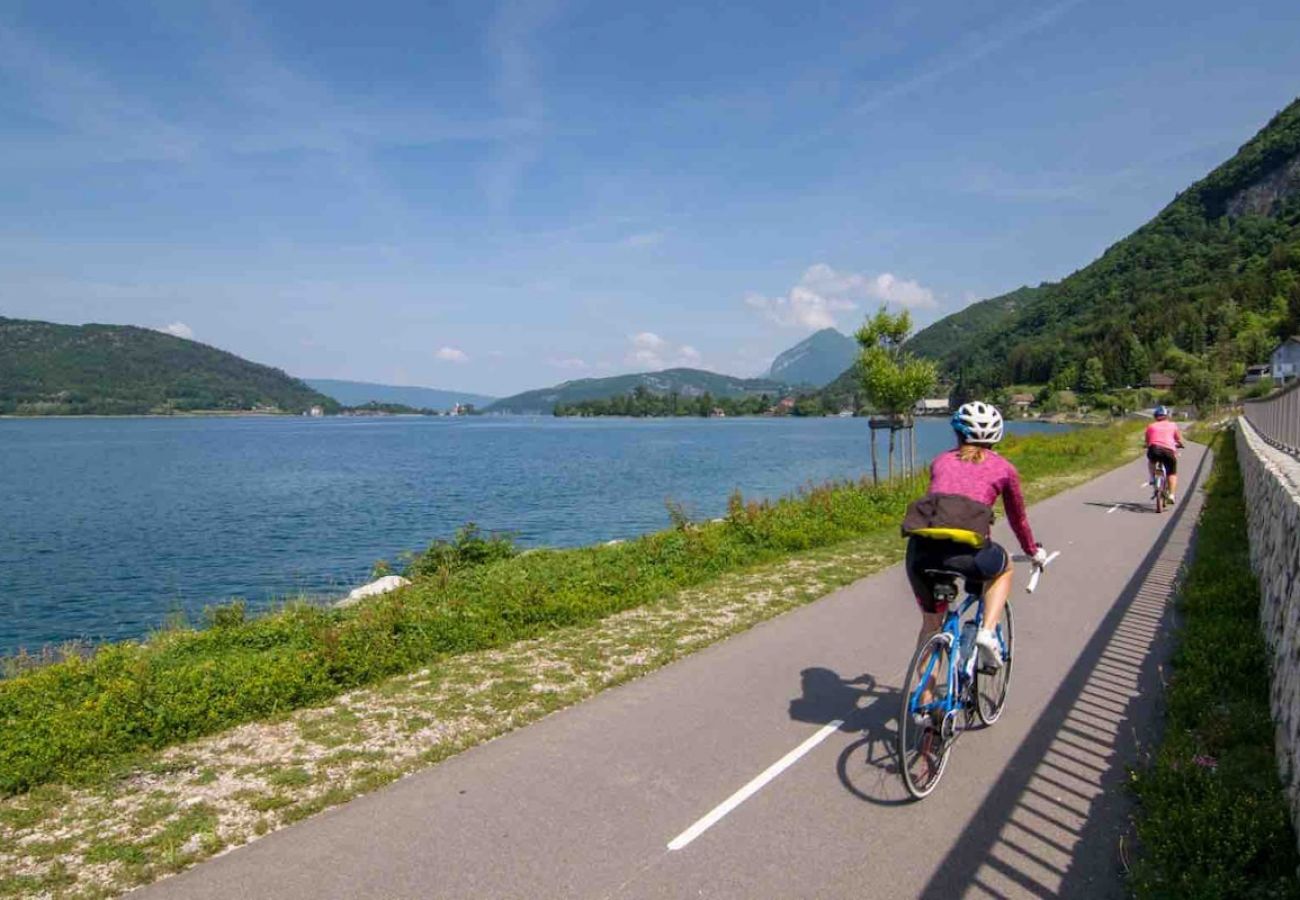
[(1285, 362), (934, 406)]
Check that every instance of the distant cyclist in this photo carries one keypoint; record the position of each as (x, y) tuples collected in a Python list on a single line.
[(949, 528), (1163, 443)]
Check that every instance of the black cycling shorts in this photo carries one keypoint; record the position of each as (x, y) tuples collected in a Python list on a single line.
[(1166, 456), (976, 565)]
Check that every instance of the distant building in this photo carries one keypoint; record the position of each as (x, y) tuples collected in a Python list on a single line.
[(1161, 381), (1255, 374), (933, 406), (718, 413), (316, 412), (784, 407), (1286, 360), (1022, 402)]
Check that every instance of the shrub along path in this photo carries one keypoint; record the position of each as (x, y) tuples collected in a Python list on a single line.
[(112, 825)]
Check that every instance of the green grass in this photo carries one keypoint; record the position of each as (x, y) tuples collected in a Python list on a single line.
[(1213, 821), (78, 718)]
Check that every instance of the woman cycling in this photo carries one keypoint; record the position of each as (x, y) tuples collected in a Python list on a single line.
[(1164, 440), (949, 528)]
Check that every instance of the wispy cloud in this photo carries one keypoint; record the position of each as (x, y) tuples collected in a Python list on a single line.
[(568, 362), (452, 355), (823, 292), (643, 239), (511, 46), (983, 44)]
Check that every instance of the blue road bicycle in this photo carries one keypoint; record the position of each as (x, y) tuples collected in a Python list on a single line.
[(946, 691)]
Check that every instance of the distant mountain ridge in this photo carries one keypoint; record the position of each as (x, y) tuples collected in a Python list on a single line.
[(357, 393), (685, 382), (52, 369), (816, 360)]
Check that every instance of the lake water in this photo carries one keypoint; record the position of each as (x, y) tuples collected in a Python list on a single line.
[(109, 525)]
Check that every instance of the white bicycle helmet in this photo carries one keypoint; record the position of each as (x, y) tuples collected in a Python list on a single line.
[(978, 423)]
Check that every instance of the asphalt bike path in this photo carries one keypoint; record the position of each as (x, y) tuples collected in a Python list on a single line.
[(764, 766)]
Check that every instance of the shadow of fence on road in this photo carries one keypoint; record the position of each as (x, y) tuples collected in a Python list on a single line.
[(1052, 825)]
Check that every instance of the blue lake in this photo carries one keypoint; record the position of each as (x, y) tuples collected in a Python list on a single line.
[(107, 526)]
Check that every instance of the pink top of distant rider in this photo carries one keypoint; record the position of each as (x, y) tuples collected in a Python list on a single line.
[(985, 481), (1164, 433)]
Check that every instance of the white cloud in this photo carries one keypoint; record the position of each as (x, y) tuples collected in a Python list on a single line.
[(822, 292), (570, 362), (179, 329), (451, 354), (650, 351)]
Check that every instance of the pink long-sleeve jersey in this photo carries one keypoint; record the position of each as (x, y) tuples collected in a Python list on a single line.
[(985, 481)]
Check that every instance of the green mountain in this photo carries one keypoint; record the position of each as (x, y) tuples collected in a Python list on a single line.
[(1207, 287), (688, 383), (359, 393), (815, 360), (48, 369)]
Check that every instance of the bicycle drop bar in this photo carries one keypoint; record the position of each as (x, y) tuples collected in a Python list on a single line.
[(1038, 570)]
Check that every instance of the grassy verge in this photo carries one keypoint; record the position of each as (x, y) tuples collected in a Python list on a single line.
[(160, 812), (79, 718), (1213, 821)]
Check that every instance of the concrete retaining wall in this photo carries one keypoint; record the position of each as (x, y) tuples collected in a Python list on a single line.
[(1272, 486)]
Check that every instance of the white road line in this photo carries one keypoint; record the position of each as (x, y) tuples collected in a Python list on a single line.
[(749, 790), (1112, 509)]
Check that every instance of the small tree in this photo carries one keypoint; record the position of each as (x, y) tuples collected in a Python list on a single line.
[(893, 380), (1094, 376)]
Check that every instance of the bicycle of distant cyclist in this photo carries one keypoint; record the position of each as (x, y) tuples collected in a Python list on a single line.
[(1160, 488), (947, 691)]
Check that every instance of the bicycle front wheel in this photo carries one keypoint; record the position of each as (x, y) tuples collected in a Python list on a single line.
[(922, 746), (991, 686)]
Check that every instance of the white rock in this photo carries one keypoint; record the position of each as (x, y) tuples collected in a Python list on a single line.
[(374, 589)]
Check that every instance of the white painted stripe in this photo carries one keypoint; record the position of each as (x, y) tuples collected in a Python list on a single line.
[(1112, 509), (749, 790)]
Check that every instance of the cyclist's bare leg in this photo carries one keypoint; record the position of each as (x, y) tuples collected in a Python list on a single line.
[(1173, 485), (995, 598), (1151, 469)]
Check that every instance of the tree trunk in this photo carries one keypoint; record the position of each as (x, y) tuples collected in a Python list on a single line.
[(891, 451), (875, 471)]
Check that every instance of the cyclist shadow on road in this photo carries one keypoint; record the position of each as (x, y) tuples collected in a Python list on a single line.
[(867, 767)]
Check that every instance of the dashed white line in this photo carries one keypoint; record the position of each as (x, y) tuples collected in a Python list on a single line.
[(749, 790)]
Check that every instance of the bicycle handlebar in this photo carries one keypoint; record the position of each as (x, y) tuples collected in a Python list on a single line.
[(1038, 570)]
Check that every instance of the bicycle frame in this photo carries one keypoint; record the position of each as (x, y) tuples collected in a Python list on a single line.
[(952, 699)]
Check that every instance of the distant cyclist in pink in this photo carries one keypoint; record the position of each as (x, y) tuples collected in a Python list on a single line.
[(1163, 443)]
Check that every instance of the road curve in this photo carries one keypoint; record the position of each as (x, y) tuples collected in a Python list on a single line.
[(586, 802)]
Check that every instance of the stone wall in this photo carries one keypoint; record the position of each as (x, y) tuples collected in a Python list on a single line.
[(1272, 487)]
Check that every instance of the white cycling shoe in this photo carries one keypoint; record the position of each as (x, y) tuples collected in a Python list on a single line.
[(990, 651)]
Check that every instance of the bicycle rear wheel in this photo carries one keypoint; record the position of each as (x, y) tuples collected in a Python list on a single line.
[(922, 747), (991, 687), (1160, 490)]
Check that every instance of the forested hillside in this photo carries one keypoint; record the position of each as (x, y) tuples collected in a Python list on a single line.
[(687, 384), (48, 369), (1207, 287)]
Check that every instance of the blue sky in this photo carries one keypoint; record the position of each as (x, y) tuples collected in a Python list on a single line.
[(493, 197)]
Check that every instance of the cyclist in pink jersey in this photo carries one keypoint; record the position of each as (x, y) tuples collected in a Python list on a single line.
[(1163, 441), (949, 528)]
